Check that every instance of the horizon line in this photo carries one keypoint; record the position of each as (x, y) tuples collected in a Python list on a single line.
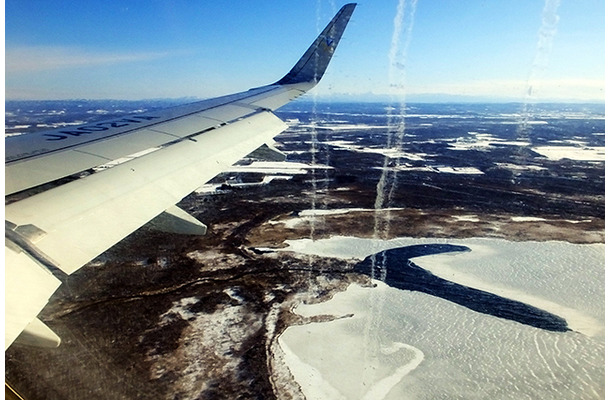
[(382, 98)]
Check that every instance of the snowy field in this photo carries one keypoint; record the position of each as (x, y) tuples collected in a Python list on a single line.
[(388, 343)]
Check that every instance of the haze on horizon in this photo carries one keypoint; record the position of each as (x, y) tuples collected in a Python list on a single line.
[(523, 50)]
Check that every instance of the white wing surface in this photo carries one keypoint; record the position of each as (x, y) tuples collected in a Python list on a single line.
[(165, 156)]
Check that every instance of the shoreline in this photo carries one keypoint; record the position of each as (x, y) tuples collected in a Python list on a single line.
[(417, 223)]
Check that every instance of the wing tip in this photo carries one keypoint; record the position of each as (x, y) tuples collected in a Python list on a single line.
[(312, 65)]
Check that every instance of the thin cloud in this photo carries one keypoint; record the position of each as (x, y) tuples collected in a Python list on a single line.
[(569, 88), (41, 58)]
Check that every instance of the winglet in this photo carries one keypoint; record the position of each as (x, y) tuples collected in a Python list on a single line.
[(311, 67)]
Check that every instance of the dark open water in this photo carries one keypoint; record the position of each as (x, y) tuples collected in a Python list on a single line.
[(396, 269)]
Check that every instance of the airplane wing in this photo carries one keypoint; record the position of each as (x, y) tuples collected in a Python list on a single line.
[(156, 158)]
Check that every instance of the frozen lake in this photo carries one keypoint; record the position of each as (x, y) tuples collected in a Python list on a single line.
[(388, 343)]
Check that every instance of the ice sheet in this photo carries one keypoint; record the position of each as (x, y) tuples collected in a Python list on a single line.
[(443, 350)]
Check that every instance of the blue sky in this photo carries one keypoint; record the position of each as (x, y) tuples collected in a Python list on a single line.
[(500, 49)]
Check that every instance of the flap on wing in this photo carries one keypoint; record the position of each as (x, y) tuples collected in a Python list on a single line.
[(176, 220), (121, 199), (267, 153), (39, 335), (30, 288)]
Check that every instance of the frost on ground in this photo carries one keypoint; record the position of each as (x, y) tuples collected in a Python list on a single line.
[(208, 346)]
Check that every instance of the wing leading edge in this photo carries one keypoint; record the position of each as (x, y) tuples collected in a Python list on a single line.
[(164, 156)]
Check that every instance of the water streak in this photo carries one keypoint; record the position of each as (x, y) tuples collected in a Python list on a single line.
[(313, 151), (385, 187), (546, 34), (314, 146), (314, 221), (397, 58)]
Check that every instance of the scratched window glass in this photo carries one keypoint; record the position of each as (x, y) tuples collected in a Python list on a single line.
[(305, 201)]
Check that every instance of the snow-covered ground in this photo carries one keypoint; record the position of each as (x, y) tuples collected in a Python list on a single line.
[(307, 216), (577, 153)]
